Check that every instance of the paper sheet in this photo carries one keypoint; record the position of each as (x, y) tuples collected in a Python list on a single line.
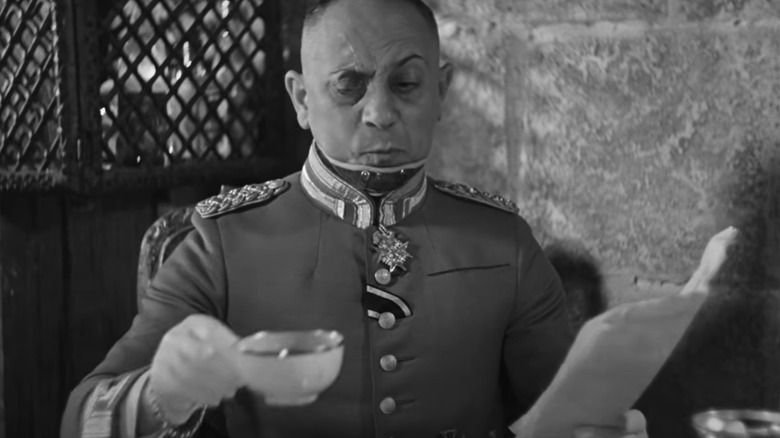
[(617, 354)]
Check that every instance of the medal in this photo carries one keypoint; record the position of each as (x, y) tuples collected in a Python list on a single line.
[(392, 251)]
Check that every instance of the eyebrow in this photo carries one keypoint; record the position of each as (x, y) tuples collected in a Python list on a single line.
[(398, 64), (409, 58)]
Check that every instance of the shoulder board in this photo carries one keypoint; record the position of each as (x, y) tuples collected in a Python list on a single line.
[(240, 197), (476, 195)]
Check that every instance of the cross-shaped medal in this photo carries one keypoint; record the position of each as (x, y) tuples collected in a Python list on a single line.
[(392, 251)]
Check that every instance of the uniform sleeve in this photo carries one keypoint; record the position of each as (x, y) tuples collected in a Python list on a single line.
[(192, 280), (539, 333), (129, 409)]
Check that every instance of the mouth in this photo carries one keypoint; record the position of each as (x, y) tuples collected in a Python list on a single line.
[(383, 152), (386, 150), (384, 156)]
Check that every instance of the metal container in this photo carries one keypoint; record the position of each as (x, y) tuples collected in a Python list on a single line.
[(737, 423)]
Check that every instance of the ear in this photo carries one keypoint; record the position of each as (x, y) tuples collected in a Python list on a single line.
[(293, 82), (445, 79)]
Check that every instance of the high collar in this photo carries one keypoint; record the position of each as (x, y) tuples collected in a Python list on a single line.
[(352, 205)]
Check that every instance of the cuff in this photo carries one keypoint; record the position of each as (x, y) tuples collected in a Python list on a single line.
[(162, 428), (130, 411), (101, 415)]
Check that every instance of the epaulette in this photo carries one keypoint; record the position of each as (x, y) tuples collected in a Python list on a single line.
[(476, 195), (240, 197)]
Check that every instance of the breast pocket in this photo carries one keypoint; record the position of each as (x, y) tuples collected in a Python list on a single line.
[(470, 305)]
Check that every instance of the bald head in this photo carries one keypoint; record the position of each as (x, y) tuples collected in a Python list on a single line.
[(317, 10), (321, 11), (372, 84)]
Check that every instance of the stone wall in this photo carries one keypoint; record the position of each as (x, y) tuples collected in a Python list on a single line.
[(630, 131)]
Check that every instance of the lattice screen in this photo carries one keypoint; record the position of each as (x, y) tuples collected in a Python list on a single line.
[(31, 140), (183, 82)]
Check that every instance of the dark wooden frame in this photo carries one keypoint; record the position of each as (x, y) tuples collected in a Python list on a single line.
[(69, 240)]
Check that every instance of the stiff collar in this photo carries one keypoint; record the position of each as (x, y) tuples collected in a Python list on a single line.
[(345, 201)]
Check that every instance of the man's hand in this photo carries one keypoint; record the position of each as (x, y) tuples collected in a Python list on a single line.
[(193, 367), (635, 426)]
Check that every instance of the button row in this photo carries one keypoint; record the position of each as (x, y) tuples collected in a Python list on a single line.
[(387, 362)]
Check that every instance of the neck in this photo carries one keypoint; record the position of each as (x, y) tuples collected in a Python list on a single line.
[(374, 181), (374, 169)]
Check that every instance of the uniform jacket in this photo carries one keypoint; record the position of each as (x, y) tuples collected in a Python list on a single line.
[(475, 325)]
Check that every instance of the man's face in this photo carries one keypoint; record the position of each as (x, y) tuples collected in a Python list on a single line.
[(371, 89)]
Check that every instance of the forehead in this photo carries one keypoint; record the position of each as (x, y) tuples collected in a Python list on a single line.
[(368, 34)]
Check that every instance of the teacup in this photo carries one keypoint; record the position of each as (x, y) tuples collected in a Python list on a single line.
[(737, 423), (290, 368)]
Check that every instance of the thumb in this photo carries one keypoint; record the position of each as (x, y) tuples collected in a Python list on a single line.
[(635, 422), (207, 328), (601, 432)]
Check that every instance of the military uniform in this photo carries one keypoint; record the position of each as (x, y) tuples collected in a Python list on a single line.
[(442, 295)]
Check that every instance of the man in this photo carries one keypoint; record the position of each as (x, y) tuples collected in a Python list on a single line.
[(454, 321)]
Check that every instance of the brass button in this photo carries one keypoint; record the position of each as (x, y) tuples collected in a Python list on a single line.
[(387, 405), (388, 362), (382, 276), (387, 320)]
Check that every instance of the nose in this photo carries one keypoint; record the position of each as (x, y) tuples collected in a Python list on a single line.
[(380, 109)]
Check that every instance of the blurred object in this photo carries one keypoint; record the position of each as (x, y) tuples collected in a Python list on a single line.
[(617, 354), (613, 359), (581, 280), (737, 423)]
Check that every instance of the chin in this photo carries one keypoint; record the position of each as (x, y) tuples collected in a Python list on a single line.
[(385, 159)]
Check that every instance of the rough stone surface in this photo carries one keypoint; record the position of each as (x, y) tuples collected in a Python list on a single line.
[(697, 10), (590, 10), (641, 147), (480, 10), (470, 146), (474, 46)]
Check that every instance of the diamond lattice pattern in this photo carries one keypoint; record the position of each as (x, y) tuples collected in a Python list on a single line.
[(30, 124), (184, 81)]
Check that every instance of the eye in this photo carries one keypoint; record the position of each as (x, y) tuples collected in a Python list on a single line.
[(406, 81), (350, 84), (406, 86)]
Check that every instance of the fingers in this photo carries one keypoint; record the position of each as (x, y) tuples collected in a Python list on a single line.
[(602, 432), (634, 426), (200, 336), (635, 422), (198, 384), (210, 329), (194, 363)]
